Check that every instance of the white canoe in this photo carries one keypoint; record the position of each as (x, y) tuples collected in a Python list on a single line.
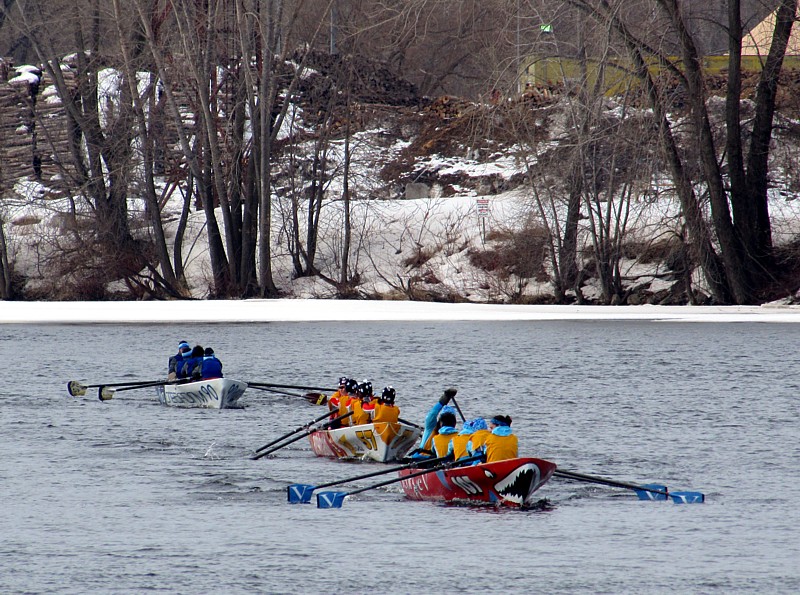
[(364, 442), (217, 393)]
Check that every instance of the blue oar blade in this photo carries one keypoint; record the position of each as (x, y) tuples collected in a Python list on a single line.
[(688, 497), (299, 493), (652, 495), (330, 499)]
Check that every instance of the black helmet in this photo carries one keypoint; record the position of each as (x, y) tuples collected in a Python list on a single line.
[(364, 389), (352, 385), (343, 381), (388, 395)]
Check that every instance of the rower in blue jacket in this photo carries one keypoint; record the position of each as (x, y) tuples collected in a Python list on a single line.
[(176, 361), (432, 424), (211, 366)]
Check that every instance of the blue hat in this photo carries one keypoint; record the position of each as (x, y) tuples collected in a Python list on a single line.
[(478, 424), (499, 420), (447, 409), (183, 344)]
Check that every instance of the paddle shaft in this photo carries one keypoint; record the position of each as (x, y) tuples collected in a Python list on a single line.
[(105, 393), (301, 436), (383, 472), (76, 389), (461, 413), (268, 385), (147, 385), (300, 429), (449, 465), (603, 481), (131, 383), (276, 391)]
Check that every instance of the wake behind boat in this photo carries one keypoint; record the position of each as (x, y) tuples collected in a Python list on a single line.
[(511, 482), (364, 442), (215, 393)]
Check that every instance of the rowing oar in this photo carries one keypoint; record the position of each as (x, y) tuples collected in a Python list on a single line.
[(106, 393), (316, 398), (301, 492), (308, 432), (299, 429), (336, 499), (453, 398), (644, 492), (268, 385), (76, 389)]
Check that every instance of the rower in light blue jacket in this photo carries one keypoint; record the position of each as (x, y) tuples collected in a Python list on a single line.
[(432, 424)]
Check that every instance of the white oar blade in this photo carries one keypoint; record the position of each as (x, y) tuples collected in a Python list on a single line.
[(75, 388), (105, 393), (330, 499)]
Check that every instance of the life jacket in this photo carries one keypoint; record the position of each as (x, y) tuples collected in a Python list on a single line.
[(501, 444), (175, 363), (385, 420), (211, 367), (191, 368), (362, 412), (477, 441), (441, 441), (334, 399), (344, 408), (460, 442)]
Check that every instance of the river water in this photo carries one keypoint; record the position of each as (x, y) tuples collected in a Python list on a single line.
[(128, 496)]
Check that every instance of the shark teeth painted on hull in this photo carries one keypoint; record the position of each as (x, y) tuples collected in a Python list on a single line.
[(515, 486)]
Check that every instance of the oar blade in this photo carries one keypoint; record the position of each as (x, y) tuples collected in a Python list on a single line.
[(105, 393), (687, 497), (316, 398), (76, 389), (330, 499), (299, 493), (652, 492)]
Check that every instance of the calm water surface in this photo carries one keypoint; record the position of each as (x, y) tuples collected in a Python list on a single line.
[(128, 496)]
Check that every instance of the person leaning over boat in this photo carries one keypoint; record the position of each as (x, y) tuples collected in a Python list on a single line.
[(211, 366), (443, 439), (176, 361), (362, 405), (431, 425), (501, 444), (387, 415), (193, 366)]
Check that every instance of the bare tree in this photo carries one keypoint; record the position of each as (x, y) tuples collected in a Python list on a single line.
[(737, 197)]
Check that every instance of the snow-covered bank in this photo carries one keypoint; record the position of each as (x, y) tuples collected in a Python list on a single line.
[(233, 311)]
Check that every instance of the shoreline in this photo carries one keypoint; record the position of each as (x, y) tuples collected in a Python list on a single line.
[(312, 310)]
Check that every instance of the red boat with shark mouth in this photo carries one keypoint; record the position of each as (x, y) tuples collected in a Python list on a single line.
[(511, 482)]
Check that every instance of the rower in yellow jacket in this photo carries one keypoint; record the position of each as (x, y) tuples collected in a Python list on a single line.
[(361, 406), (501, 444), (443, 440), (345, 401), (386, 416), (477, 440)]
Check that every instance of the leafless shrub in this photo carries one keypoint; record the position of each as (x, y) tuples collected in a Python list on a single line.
[(521, 253)]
